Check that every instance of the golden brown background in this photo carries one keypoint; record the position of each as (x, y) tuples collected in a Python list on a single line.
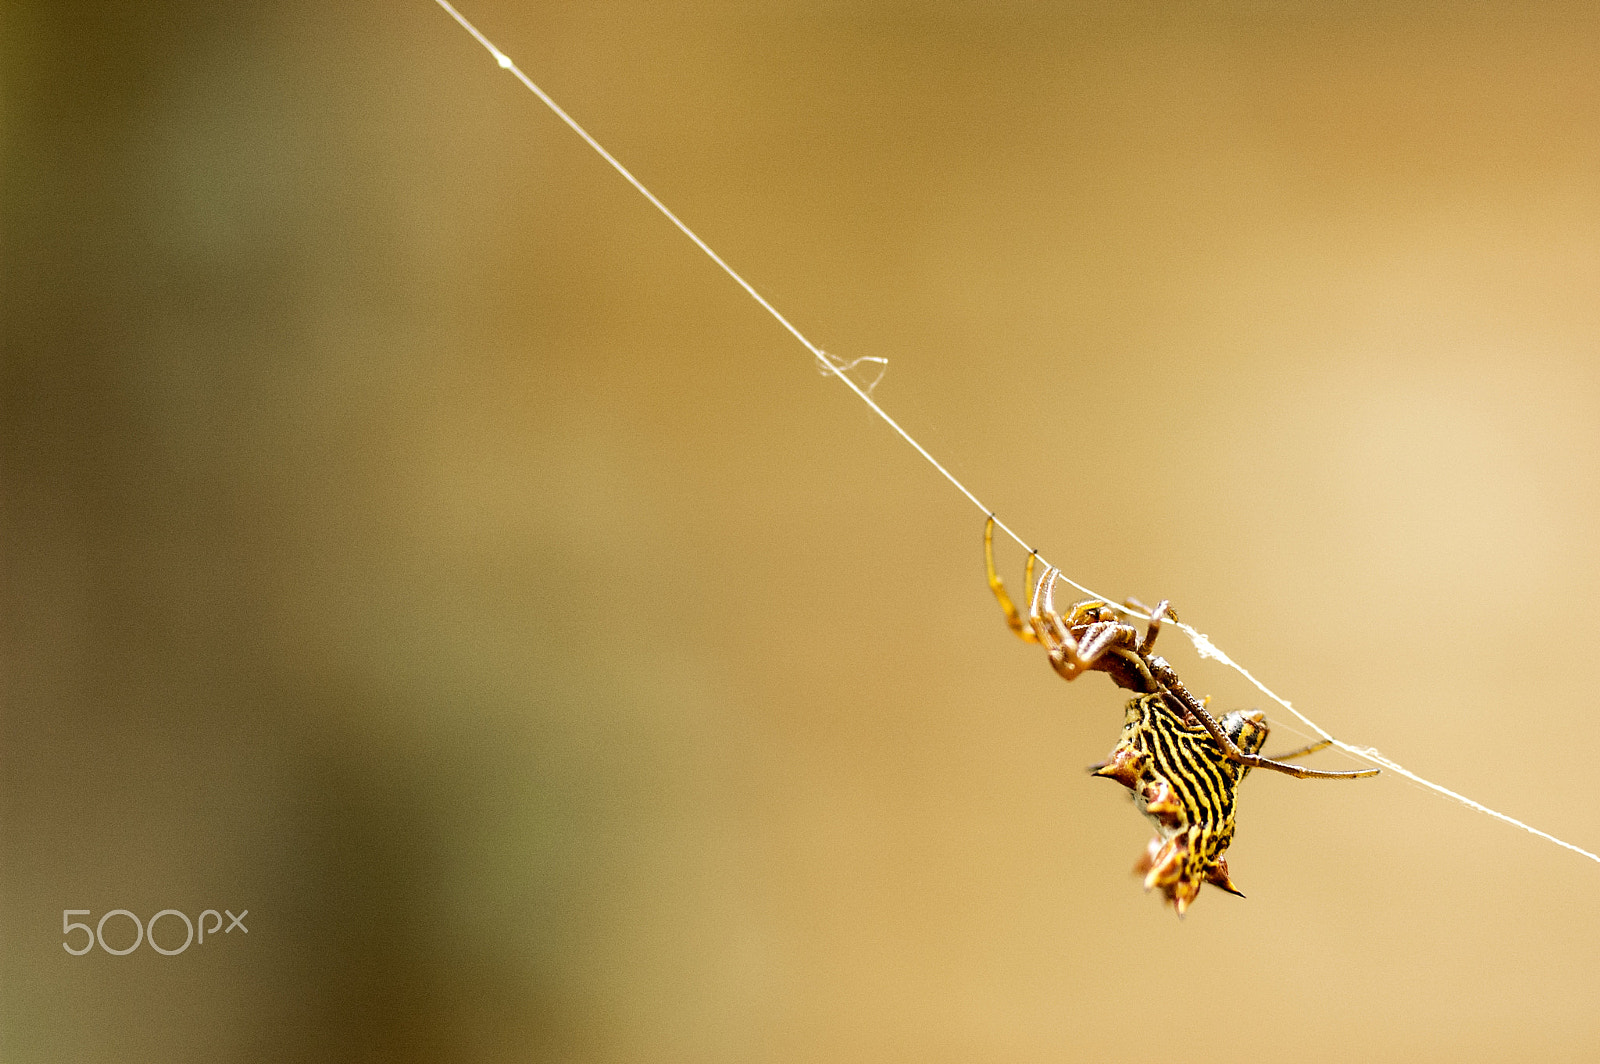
[(412, 539)]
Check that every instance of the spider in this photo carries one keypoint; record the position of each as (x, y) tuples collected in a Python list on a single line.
[(1091, 638), (1187, 787)]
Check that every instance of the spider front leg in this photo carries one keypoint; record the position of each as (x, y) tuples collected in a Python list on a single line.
[(1163, 609), (1068, 656), (1309, 748), (1013, 619), (1052, 631)]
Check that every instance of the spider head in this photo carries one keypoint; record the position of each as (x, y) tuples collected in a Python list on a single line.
[(1092, 611)]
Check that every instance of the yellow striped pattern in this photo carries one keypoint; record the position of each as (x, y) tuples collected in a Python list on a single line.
[(1187, 787)]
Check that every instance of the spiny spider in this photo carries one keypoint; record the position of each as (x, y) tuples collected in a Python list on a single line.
[(1187, 788), (1091, 638)]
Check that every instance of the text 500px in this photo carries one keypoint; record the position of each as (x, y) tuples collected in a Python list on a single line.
[(144, 931)]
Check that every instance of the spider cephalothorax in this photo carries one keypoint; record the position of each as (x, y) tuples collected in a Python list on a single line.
[(1183, 782), (1091, 638)]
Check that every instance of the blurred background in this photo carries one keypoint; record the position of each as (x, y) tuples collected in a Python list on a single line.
[(413, 540)]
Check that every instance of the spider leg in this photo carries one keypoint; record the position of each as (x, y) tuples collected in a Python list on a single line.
[(1257, 761), (1066, 656), (1047, 623), (1312, 748), (1228, 746), (1093, 648), (1047, 608), (1013, 618), (1162, 610), (1073, 655)]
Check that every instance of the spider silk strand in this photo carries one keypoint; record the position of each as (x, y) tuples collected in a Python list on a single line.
[(1207, 649), (1202, 644)]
